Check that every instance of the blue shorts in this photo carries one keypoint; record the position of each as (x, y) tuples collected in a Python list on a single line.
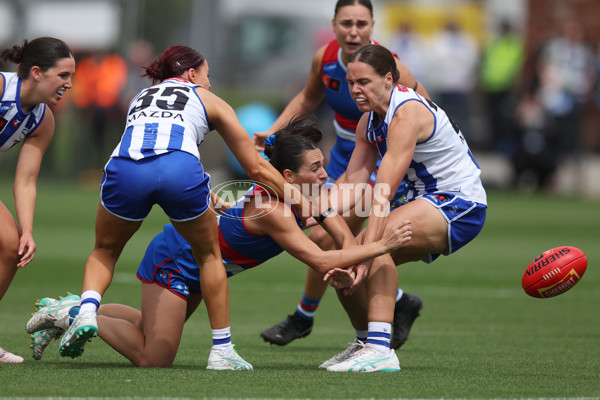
[(465, 220), (174, 269), (158, 266), (176, 181)]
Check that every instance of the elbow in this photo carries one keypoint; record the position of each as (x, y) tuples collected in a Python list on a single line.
[(258, 171)]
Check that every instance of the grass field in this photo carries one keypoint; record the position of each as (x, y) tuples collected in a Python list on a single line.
[(479, 335)]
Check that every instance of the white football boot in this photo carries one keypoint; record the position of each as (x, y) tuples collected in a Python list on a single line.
[(41, 339), (7, 357), (352, 348), (52, 313), (368, 360), (83, 328), (219, 361)]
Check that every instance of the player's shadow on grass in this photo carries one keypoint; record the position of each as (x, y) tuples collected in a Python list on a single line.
[(272, 366)]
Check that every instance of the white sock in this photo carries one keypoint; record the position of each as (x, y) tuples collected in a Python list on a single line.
[(379, 336), (222, 340), (90, 301)]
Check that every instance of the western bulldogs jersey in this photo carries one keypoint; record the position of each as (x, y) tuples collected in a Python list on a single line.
[(16, 125), (337, 94), (442, 163), (166, 117), (239, 247)]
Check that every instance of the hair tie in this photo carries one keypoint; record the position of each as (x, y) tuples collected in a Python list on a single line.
[(270, 141)]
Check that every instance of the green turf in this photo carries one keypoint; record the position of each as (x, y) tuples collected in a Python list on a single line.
[(479, 335)]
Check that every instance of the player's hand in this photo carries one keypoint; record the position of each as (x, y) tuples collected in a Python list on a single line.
[(27, 250), (309, 223), (339, 278), (259, 140), (361, 271), (220, 205), (397, 236)]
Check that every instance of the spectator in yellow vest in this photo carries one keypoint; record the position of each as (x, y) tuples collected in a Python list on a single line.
[(501, 64)]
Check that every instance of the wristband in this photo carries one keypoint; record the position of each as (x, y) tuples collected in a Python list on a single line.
[(324, 215)]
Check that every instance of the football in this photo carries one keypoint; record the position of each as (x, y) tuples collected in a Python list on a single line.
[(554, 272)]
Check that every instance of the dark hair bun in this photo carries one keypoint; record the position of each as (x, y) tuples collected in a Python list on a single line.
[(13, 54)]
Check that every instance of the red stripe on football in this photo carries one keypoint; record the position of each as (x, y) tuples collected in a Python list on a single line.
[(554, 272)]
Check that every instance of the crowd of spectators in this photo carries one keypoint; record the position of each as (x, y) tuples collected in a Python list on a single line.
[(537, 123)]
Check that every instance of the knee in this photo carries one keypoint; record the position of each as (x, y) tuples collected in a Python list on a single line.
[(204, 255), (146, 363), (9, 246), (320, 236), (108, 249)]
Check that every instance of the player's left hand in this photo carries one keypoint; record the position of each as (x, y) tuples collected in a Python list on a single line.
[(27, 250), (309, 223), (259, 139), (221, 206), (361, 272), (339, 278)]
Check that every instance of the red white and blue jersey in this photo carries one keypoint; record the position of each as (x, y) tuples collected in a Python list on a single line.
[(346, 113), (442, 163), (16, 125), (241, 248), (165, 117), (333, 74)]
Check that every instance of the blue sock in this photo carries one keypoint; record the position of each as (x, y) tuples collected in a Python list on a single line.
[(399, 294), (73, 313), (307, 307)]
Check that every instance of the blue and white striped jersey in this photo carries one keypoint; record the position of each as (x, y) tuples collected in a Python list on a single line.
[(165, 117), (442, 163), (16, 125)]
